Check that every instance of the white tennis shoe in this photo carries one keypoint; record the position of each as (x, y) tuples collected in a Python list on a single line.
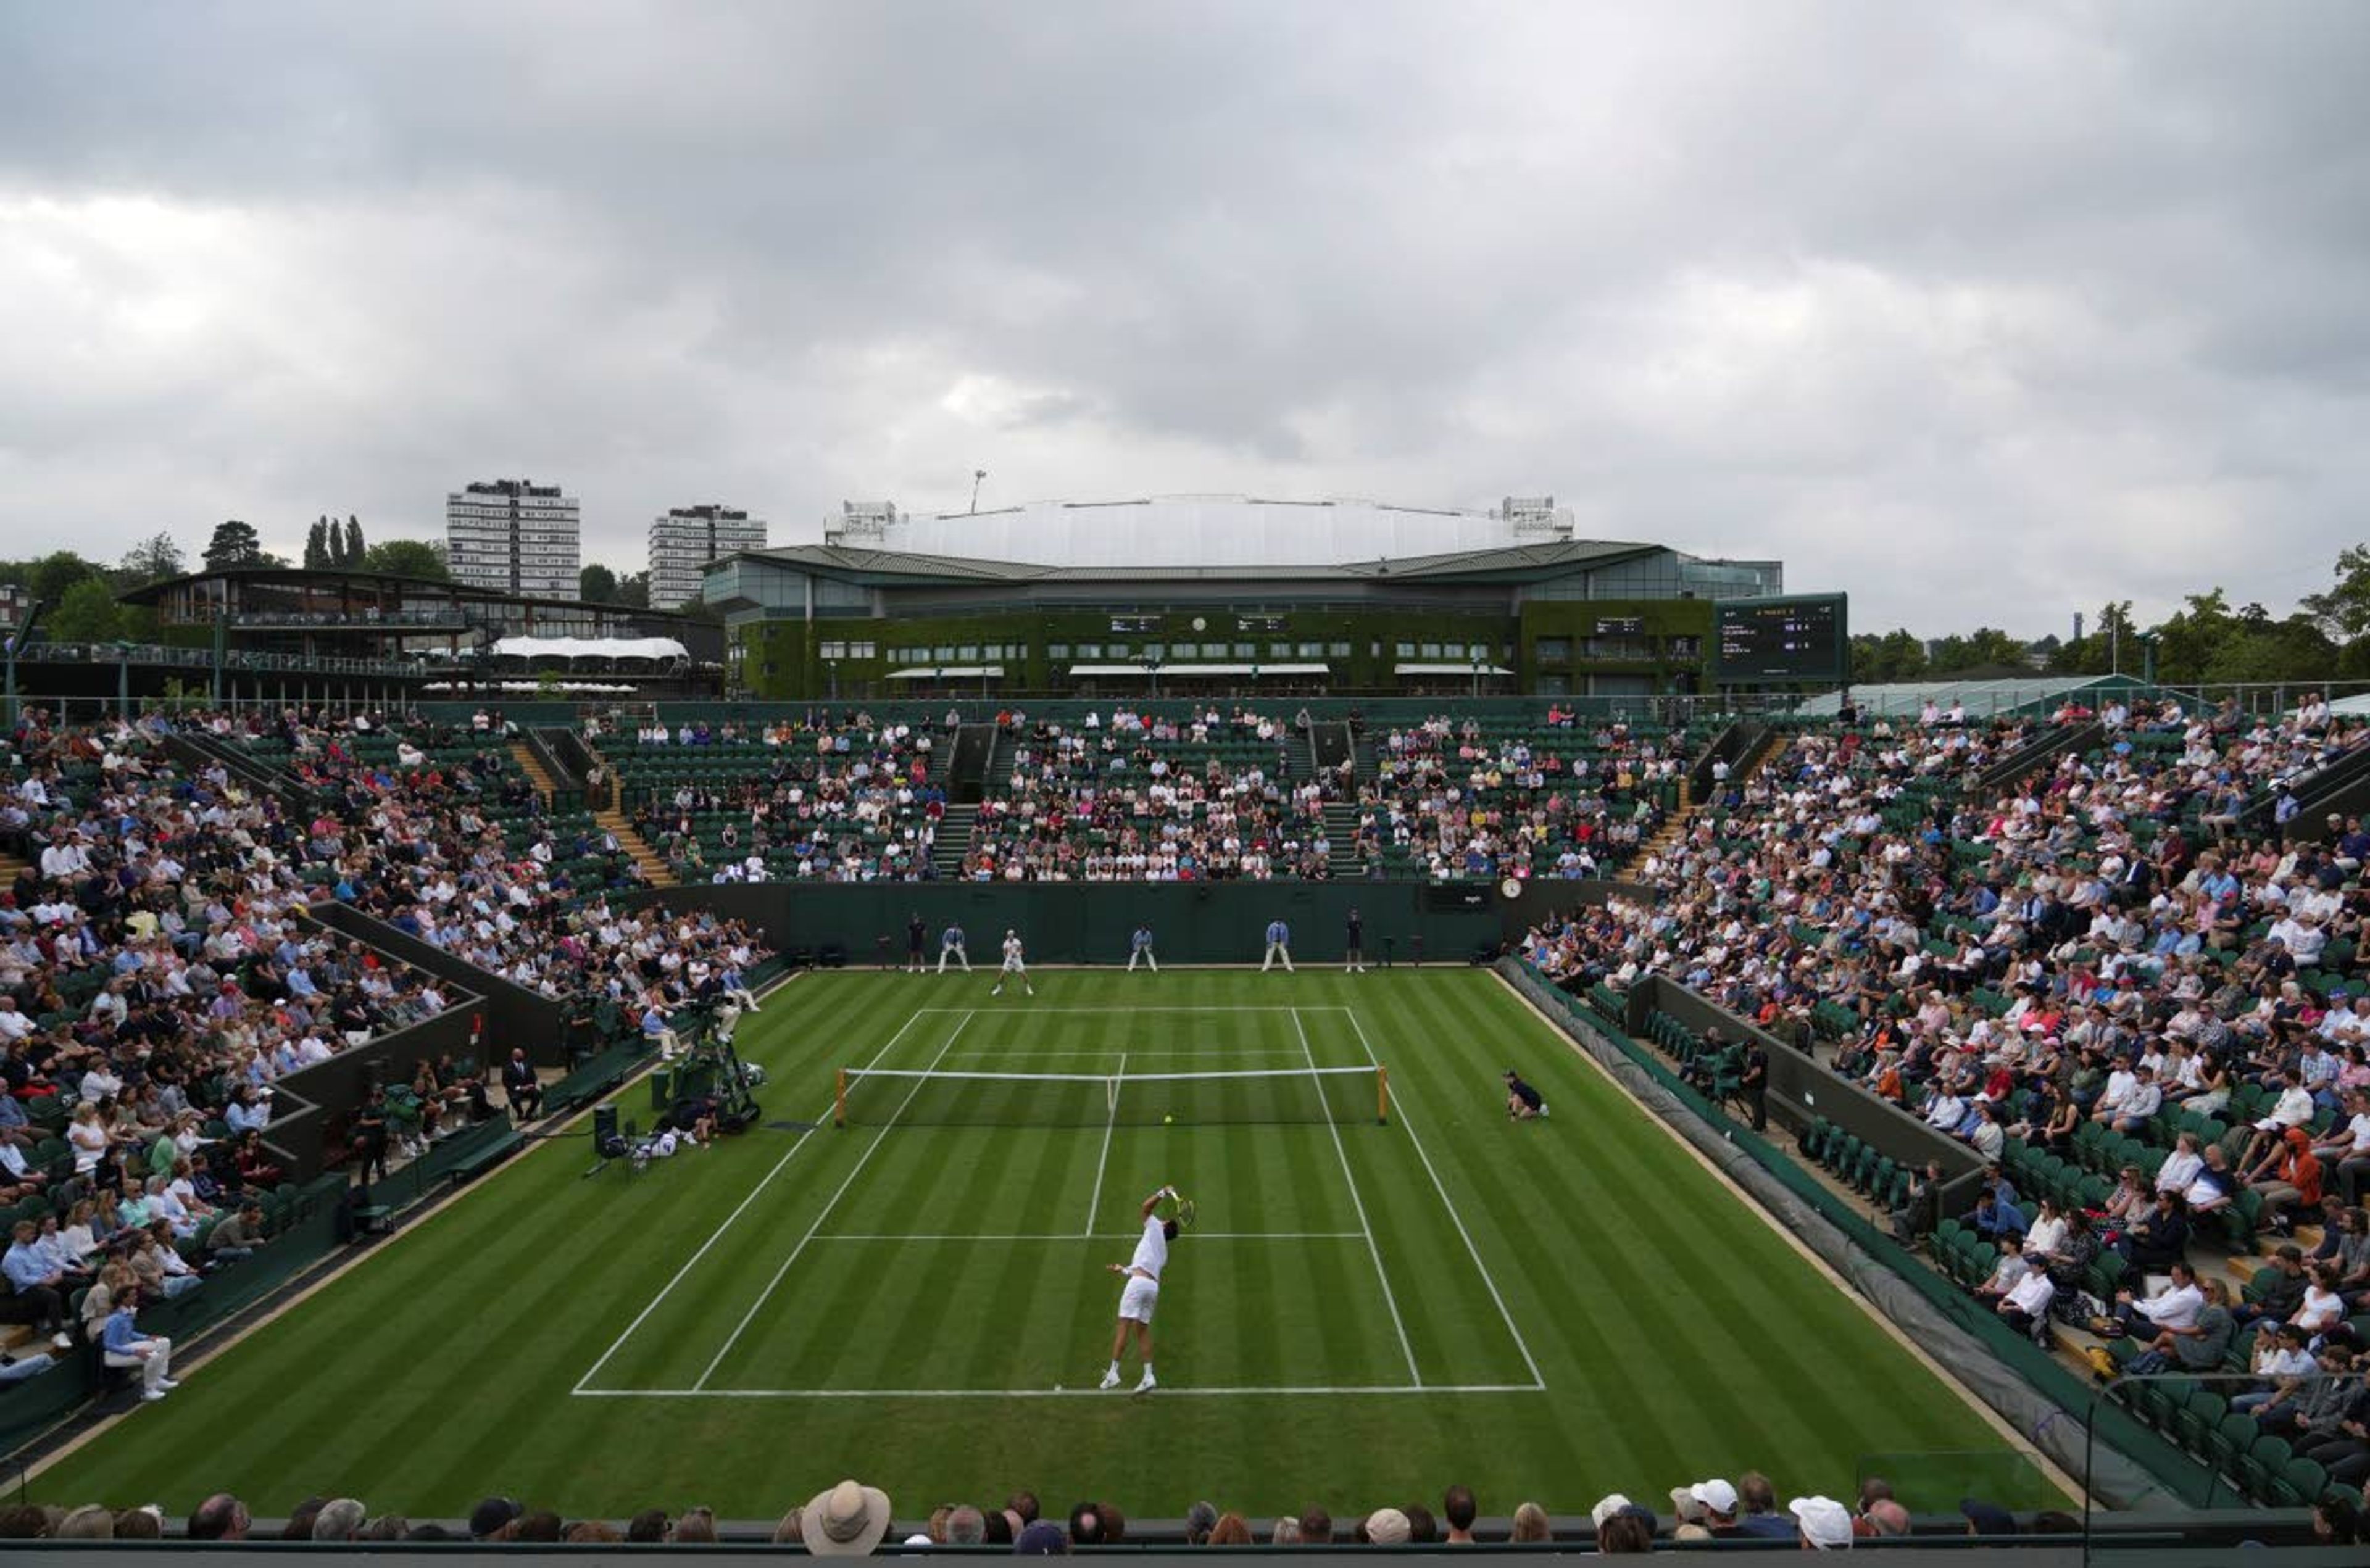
[(1110, 1379)]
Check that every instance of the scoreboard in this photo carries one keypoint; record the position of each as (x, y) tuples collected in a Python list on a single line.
[(1762, 640)]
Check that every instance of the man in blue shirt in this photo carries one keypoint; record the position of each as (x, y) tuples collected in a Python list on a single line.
[(33, 1282), (656, 1028), (950, 945), (1140, 946), (126, 1346), (1279, 945)]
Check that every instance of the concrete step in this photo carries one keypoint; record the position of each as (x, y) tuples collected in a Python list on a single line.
[(536, 773), (652, 864)]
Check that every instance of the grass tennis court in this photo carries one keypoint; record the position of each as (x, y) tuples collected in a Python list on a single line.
[(1364, 1311)]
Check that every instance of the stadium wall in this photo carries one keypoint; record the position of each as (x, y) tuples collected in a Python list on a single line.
[(1089, 922)]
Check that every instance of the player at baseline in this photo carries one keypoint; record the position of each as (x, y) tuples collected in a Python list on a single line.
[(1141, 1295), (1013, 965), (1140, 946)]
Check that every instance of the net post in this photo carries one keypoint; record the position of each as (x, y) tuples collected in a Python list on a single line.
[(839, 1098), (1382, 1096)]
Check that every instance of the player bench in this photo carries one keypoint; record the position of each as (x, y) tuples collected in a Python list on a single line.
[(486, 1159)]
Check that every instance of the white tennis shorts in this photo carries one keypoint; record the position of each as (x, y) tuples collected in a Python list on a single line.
[(1013, 966), (1137, 1301)]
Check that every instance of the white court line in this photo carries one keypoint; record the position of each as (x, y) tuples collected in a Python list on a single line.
[(763, 1182), (1331, 1007), (1102, 1161), (1400, 1105), (1138, 1050), (1074, 1236), (1166, 1391), (1414, 1374), (870, 1150)]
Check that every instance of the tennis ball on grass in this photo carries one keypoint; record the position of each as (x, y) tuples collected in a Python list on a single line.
[(1167, 1120)]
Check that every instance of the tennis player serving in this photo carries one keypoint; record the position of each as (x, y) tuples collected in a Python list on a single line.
[(1142, 1293)]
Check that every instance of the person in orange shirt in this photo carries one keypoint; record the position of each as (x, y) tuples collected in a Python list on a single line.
[(2296, 1184)]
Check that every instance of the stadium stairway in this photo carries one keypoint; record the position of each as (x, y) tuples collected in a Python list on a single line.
[(1674, 827), (11, 867), (1328, 744), (953, 840), (536, 773), (653, 866), (1340, 827)]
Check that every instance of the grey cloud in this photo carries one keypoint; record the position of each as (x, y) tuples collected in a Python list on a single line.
[(2071, 290)]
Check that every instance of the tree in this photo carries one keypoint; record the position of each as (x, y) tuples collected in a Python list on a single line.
[(88, 613), (596, 584), (152, 560), (2343, 612), (352, 555), (317, 545), (49, 578), (406, 558), (1884, 661), (634, 592), (234, 547)]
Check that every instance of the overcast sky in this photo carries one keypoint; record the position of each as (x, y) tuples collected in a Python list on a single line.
[(1983, 314)]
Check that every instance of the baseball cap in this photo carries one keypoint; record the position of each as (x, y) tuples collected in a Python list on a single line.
[(1388, 1526), (1716, 1495), (1826, 1524), (490, 1516), (1606, 1507), (1043, 1538)]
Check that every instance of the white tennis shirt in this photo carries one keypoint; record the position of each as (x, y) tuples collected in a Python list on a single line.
[(1152, 1252)]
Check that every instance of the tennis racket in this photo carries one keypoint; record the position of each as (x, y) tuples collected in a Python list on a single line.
[(1185, 1211)]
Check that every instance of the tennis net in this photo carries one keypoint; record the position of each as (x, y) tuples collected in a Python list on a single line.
[(883, 1096)]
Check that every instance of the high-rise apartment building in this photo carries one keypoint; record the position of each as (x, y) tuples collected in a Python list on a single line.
[(686, 539), (515, 536)]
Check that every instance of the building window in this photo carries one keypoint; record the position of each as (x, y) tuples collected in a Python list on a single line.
[(1478, 653), (1686, 647), (862, 650), (1338, 650), (1057, 650), (1432, 650), (1089, 652), (1119, 650), (833, 650), (1246, 650), (1310, 650), (1552, 650), (1155, 650), (968, 652), (943, 652), (1406, 650)]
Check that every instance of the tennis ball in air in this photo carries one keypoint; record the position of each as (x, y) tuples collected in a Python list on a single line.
[(1167, 1120)]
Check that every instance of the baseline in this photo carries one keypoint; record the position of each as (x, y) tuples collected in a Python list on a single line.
[(1415, 1375), (1076, 1236), (1165, 1392)]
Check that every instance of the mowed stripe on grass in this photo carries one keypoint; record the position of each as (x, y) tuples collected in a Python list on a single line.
[(1677, 1334)]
